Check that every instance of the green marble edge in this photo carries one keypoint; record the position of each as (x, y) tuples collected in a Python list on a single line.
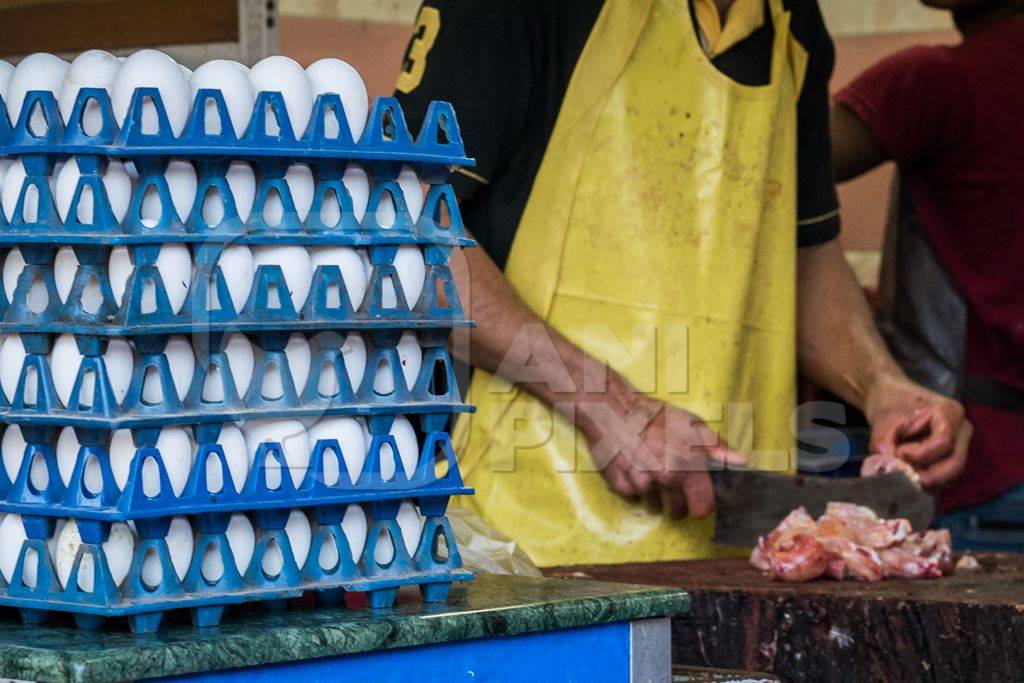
[(490, 606)]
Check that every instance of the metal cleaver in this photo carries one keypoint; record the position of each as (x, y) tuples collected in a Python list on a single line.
[(749, 504)]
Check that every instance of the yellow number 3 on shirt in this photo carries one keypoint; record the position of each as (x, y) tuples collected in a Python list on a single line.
[(428, 23)]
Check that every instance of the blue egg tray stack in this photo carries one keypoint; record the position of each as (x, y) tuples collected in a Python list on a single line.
[(430, 402)]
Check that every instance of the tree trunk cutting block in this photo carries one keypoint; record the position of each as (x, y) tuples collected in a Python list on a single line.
[(969, 626)]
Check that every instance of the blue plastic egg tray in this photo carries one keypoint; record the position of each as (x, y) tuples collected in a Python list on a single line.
[(40, 139), (435, 390), (436, 476), (209, 306), (434, 565), (386, 138), (439, 222)]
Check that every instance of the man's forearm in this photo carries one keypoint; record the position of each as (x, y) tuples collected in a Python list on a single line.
[(839, 345), (512, 341)]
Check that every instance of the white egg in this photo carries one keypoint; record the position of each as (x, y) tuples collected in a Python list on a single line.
[(14, 264), (14, 182), (412, 271), (13, 449), (153, 69), (351, 267), (349, 434), (90, 69), (182, 183), (357, 183), (182, 360), (116, 183), (66, 359), (174, 263), (182, 364), (38, 71), (176, 452), (331, 75), (241, 181), (241, 360), (232, 442), (12, 538), (180, 546), (118, 550), (354, 353), (295, 266), (240, 356), (67, 456), (301, 186), (299, 534), (6, 70), (119, 269), (232, 80), (408, 449), (120, 364), (242, 540), (328, 558), (299, 357), (294, 441), (242, 543), (283, 74), (187, 71), (411, 525), (12, 360), (410, 355), (354, 525), (412, 190), (238, 266), (65, 268)]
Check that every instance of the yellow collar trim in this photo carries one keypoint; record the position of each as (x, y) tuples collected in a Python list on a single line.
[(742, 19)]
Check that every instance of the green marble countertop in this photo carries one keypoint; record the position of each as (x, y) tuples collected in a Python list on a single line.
[(490, 605)]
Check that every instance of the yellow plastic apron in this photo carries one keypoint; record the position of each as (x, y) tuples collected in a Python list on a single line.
[(660, 236)]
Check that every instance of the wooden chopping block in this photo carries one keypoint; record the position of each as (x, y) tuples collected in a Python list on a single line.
[(965, 627)]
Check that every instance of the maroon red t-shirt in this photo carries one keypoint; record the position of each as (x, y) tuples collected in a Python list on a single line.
[(953, 120)]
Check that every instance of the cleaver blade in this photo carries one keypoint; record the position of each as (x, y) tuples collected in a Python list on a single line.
[(749, 504)]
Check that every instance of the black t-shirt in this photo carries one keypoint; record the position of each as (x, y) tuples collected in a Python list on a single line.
[(505, 66)]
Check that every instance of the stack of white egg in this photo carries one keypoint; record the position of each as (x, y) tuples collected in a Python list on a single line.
[(240, 447), (178, 87)]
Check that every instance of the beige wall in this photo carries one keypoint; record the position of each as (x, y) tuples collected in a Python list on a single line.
[(372, 35)]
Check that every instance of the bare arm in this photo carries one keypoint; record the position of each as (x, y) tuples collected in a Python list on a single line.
[(855, 149), (839, 348), (839, 345), (642, 446)]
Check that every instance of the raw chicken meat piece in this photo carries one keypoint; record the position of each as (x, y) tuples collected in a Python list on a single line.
[(851, 542), (968, 563), (847, 560), (796, 523), (905, 564), (861, 525), (933, 544), (800, 558), (879, 464)]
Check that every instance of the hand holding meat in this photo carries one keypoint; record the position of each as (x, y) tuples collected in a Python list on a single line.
[(912, 424)]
